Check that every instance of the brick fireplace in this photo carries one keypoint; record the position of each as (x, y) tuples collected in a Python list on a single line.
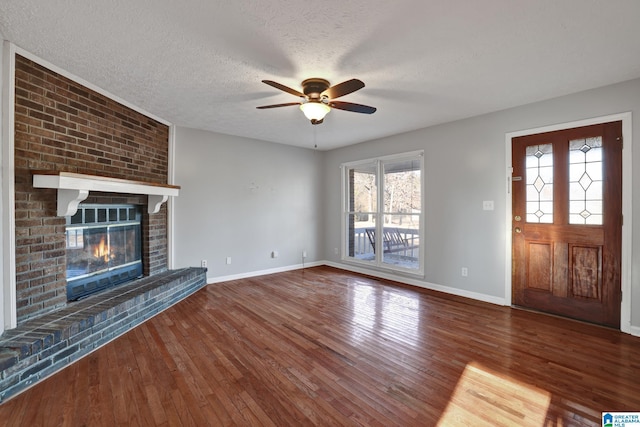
[(60, 125), (73, 145)]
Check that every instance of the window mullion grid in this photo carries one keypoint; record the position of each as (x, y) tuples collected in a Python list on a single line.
[(380, 212)]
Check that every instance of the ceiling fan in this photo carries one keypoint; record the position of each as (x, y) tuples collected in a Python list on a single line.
[(317, 98)]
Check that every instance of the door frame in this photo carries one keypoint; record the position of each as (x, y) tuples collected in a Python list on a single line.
[(625, 306)]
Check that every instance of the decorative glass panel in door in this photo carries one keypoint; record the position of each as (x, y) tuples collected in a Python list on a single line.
[(539, 175), (585, 181)]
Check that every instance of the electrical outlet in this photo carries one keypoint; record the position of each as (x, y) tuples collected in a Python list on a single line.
[(304, 254), (228, 260), (203, 263), (465, 271), (487, 205), (335, 251)]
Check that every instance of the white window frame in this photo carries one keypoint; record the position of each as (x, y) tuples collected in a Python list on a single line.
[(378, 263)]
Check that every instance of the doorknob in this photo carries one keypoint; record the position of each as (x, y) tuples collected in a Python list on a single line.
[(517, 218), (518, 230)]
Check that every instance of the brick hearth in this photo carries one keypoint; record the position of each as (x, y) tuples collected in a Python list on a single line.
[(42, 346)]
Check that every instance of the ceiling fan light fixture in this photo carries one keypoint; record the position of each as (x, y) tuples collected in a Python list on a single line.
[(315, 110), (319, 98)]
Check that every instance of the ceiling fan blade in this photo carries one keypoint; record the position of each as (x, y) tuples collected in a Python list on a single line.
[(349, 106), (278, 105), (283, 88), (343, 88)]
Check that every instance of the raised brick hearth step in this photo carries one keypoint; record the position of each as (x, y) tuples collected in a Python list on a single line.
[(42, 346)]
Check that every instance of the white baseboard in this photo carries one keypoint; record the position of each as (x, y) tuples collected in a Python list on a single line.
[(355, 269), (633, 330), (218, 279), (420, 283)]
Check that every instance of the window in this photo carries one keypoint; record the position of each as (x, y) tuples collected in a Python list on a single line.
[(383, 212)]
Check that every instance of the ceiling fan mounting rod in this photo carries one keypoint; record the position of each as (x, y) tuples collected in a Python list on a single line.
[(313, 87)]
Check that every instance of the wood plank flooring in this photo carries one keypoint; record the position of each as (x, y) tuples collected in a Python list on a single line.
[(326, 347)]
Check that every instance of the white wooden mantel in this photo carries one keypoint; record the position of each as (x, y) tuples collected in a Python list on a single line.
[(73, 188)]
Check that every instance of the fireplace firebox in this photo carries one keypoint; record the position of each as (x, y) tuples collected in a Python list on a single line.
[(104, 248)]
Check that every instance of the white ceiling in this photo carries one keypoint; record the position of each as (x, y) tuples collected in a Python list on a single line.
[(199, 63)]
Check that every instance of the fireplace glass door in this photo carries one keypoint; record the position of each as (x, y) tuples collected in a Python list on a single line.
[(103, 248)]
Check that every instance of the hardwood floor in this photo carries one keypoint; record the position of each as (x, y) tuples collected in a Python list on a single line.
[(327, 347)]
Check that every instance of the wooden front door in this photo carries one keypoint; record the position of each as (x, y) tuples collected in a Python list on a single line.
[(567, 222)]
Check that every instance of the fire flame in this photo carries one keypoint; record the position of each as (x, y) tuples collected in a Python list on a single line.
[(102, 250)]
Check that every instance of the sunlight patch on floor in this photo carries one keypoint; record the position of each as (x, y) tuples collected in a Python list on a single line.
[(484, 397)]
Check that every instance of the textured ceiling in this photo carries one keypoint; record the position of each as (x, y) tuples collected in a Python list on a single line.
[(199, 63)]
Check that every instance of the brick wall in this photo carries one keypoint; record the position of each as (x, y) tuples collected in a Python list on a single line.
[(64, 126)]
